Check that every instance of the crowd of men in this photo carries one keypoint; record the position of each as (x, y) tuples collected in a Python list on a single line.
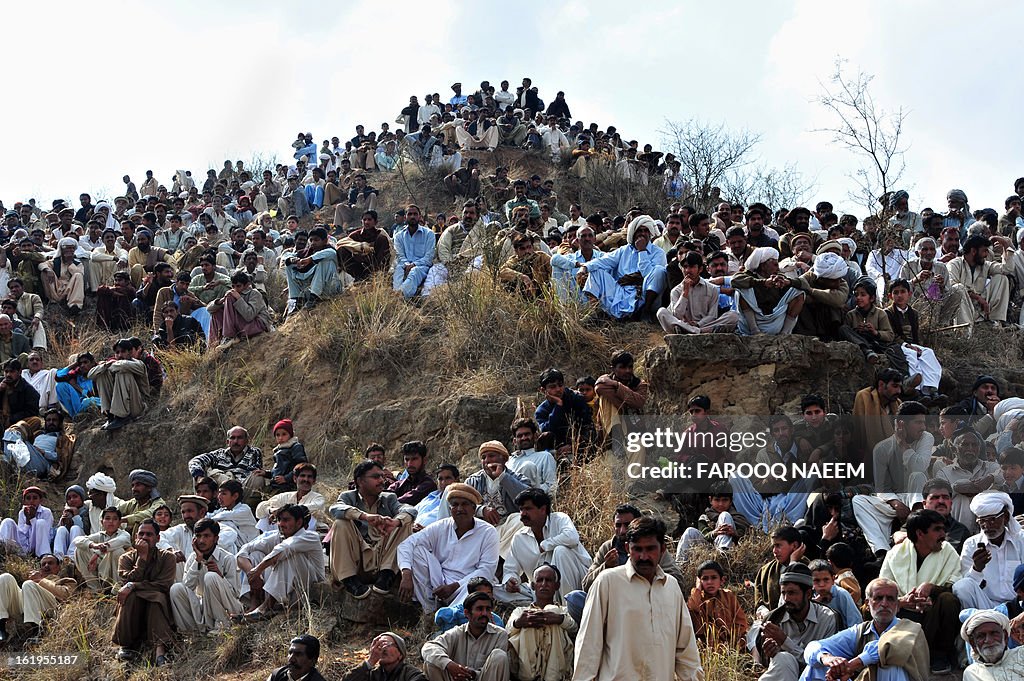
[(932, 529)]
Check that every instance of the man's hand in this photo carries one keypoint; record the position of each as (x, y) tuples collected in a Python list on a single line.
[(29, 511), (770, 648), (491, 515), (94, 562), (634, 279), (512, 585), (981, 558), (797, 554), (459, 673), (990, 402), (611, 559), (773, 632), (142, 547), (443, 593), (211, 565), (830, 530), (408, 268), (123, 592), (405, 586), (901, 509)]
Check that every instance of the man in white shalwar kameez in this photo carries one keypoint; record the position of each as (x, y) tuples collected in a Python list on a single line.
[(629, 281), (207, 595)]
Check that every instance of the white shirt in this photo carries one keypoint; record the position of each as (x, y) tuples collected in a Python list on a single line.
[(998, 573), (503, 98), (194, 570), (44, 383), (525, 553), (547, 469), (475, 554)]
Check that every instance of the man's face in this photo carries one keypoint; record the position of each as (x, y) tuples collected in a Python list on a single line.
[(545, 583), (993, 526), (5, 329), (645, 555), (413, 463), (913, 427), (989, 642), (782, 433), (930, 541), (31, 499), (940, 501), (719, 267), (702, 228), (141, 491), (288, 525), (968, 449), (142, 240), (49, 565), (691, 272), (883, 603), (372, 481), (710, 582), (444, 478), (147, 534), (53, 423), (986, 391), (822, 581), (298, 661), (890, 390), (955, 205), (480, 615), (304, 481), (794, 599), (623, 372), (524, 438), (622, 521), (237, 440), (390, 655), (814, 415), (190, 513), (737, 244), (586, 238), (412, 216), (11, 375), (801, 221), (206, 541), (532, 515), (460, 508)]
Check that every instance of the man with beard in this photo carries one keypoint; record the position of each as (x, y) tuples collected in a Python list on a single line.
[(143, 258), (145, 299), (414, 482), (929, 279), (628, 282), (969, 474), (610, 645), (366, 250), (924, 568), (938, 497), (438, 562), (538, 466), (178, 538), (415, 246), (143, 604), (768, 301), (145, 499), (458, 248), (614, 553), (477, 650), (902, 655), (907, 221), (986, 283), (312, 274), (757, 235), (208, 592), (987, 632), (303, 652), (989, 558), (19, 399)]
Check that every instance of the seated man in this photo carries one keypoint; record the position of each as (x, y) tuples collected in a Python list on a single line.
[(20, 399), (144, 257), (414, 483), (37, 597), (768, 301), (114, 309), (541, 633), (366, 250), (64, 281), (460, 247), (924, 568), (475, 650), (238, 461), (369, 526), (455, 614), (427, 510), (106, 260), (31, 533), (889, 646), (629, 281), (143, 613), (987, 632), (122, 384), (385, 661), (989, 558), (564, 417), (538, 466), (240, 314), (693, 306), (312, 274), (715, 611), (498, 488), (304, 475), (75, 390), (238, 524), (282, 566), (30, 312), (97, 555), (178, 331), (969, 474), (361, 198), (48, 447), (438, 563), (620, 393), (545, 537), (415, 246), (208, 592), (527, 271), (986, 282), (178, 538), (303, 653), (42, 379), (145, 499)]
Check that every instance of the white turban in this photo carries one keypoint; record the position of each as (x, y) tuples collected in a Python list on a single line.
[(67, 242), (829, 266), (992, 503), (644, 221), (983, 617), (103, 483), (759, 256), (849, 243)]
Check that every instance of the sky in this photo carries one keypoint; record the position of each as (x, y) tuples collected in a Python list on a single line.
[(121, 87)]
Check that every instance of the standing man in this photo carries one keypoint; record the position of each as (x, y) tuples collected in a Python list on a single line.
[(636, 623)]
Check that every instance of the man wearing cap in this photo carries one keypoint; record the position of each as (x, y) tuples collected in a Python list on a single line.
[(969, 474), (145, 499), (31, 532), (438, 562), (987, 633), (885, 262), (892, 648), (768, 301), (208, 592), (385, 662), (924, 567), (782, 639), (178, 538), (988, 559), (369, 526), (929, 279), (37, 596), (65, 281)]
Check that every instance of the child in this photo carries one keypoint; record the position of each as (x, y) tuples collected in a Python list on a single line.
[(96, 555), (73, 521), (787, 547), (1012, 463), (454, 615), (237, 523), (829, 594), (163, 517), (715, 611), (904, 322), (721, 524), (840, 556), (585, 387), (867, 326), (288, 453), (206, 487)]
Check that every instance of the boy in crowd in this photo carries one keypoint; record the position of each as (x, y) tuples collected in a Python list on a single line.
[(716, 612)]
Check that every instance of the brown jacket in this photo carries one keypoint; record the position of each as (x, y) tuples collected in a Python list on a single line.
[(720, 617)]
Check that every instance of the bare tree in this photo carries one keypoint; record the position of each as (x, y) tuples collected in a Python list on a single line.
[(721, 165), (869, 131)]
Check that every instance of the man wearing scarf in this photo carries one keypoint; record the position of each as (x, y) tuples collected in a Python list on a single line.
[(142, 259), (629, 281), (888, 647), (145, 499), (906, 221), (959, 213), (768, 301), (987, 632), (989, 558), (827, 292)]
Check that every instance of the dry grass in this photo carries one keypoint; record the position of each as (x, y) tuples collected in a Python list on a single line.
[(589, 496)]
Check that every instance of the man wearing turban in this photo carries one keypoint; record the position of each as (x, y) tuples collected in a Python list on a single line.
[(904, 220), (629, 281), (959, 213), (64, 281), (145, 499), (438, 562), (768, 301), (989, 558), (987, 633), (826, 293)]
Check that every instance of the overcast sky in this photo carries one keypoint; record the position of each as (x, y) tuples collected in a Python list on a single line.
[(100, 89)]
